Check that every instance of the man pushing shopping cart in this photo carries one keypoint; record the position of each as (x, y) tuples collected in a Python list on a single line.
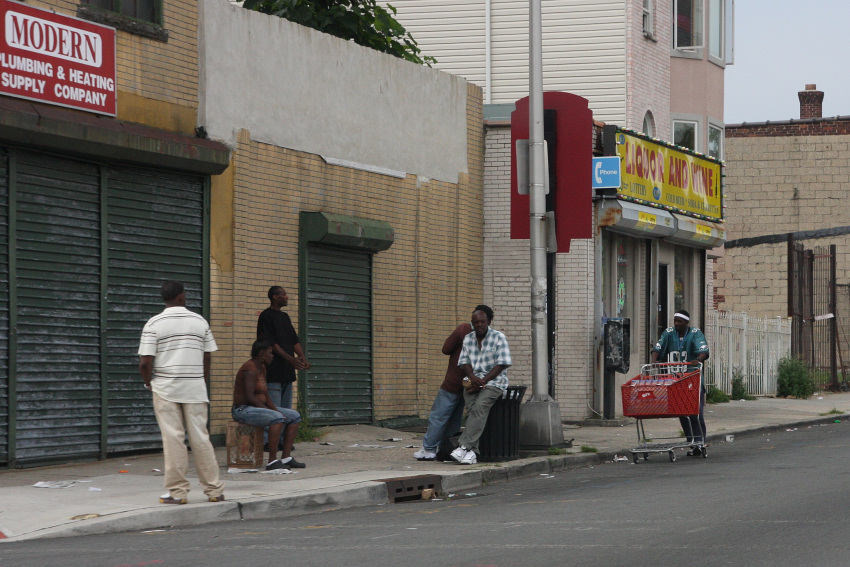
[(684, 344)]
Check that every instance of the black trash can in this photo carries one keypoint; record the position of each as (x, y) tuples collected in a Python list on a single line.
[(500, 440)]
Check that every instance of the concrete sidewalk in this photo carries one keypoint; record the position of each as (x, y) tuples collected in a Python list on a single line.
[(344, 469)]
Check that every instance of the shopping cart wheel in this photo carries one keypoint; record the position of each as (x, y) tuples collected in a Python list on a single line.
[(672, 457), (646, 456), (635, 457), (704, 453)]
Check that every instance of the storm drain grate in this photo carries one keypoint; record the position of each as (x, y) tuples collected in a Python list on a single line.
[(410, 488)]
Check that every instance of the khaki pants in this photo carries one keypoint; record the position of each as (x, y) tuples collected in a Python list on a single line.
[(175, 421), (478, 408)]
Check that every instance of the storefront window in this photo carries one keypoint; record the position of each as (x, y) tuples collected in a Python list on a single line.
[(625, 277), (619, 275), (682, 280)]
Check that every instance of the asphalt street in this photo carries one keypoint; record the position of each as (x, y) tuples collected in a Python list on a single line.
[(771, 499)]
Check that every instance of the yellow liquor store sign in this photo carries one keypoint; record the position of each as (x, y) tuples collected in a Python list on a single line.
[(673, 179)]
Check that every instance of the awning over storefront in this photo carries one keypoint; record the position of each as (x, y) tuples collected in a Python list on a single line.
[(648, 222), (697, 233), (630, 218)]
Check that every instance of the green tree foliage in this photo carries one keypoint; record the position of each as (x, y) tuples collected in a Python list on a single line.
[(361, 21)]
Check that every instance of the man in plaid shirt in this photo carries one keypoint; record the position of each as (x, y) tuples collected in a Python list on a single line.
[(485, 358)]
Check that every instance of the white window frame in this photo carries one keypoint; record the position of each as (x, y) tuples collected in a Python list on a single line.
[(716, 21), (729, 32), (697, 15), (722, 130), (695, 124), (648, 20)]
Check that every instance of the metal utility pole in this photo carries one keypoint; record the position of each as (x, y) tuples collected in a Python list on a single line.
[(540, 421)]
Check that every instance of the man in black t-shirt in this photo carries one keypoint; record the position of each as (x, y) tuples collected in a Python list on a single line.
[(275, 326)]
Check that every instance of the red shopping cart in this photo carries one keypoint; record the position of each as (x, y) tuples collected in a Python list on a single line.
[(664, 389)]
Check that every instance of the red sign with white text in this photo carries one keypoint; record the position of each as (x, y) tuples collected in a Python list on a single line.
[(57, 59)]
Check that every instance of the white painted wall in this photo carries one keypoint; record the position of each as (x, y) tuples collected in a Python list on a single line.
[(297, 88)]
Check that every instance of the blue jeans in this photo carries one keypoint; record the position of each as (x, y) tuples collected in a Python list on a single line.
[(281, 394), (444, 421), (263, 417)]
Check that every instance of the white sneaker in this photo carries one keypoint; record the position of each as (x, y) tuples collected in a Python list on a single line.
[(469, 458), (424, 455), (459, 453)]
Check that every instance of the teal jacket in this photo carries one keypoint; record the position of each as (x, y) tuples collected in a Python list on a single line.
[(693, 344)]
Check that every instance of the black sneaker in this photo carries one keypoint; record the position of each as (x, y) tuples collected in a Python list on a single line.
[(276, 464), (293, 464)]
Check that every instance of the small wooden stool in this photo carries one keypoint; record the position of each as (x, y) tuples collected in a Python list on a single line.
[(244, 446)]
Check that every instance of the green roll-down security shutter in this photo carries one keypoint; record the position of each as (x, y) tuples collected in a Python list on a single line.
[(4, 307), (155, 233), (339, 335), (57, 361), (92, 246), (336, 314)]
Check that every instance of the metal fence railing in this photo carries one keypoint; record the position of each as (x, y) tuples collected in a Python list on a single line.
[(747, 345)]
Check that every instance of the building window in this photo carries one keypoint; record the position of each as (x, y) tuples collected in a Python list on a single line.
[(715, 141), (688, 24), (685, 134), (140, 17), (649, 19), (715, 29), (682, 281), (649, 124), (138, 9)]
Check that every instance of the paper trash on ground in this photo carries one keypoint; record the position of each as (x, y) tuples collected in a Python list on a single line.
[(55, 483)]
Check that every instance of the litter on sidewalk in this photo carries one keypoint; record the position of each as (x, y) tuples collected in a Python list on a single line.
[(55, 483)]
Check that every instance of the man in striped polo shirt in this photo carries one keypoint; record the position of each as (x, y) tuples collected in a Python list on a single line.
[(174, 361)]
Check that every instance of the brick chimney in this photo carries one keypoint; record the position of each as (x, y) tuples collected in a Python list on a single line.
[(811, 102)]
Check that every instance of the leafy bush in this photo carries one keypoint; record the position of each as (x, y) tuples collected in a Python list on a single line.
[(715, 395), (739, 391), (794, 379), (364, 22)]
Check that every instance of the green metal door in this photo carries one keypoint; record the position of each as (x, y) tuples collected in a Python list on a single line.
[(156, 233), (338, 387), (57, 323)]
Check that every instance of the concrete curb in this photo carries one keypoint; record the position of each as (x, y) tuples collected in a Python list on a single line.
[(136, 520), (367, 493)]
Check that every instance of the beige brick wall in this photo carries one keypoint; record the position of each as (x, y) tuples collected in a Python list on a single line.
[(507, 289), (423, 286), (785, 184), (156, 81), (776, 185)]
